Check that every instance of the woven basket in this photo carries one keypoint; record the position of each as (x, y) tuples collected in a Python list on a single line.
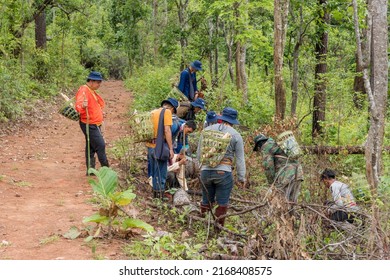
[(142, 127), (214, 145), (68, 110)]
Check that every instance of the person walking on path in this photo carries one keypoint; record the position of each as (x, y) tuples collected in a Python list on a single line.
[(285, 173), (187, 84), (90, 106), (218, 181)]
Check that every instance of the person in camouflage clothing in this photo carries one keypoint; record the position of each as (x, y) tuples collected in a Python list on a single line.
[(285, 173)]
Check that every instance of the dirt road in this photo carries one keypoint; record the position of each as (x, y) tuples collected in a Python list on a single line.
[(43, 187)]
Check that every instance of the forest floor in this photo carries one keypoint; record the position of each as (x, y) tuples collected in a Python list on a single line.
[(43, 188)]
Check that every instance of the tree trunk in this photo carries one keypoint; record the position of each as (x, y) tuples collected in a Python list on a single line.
[(155, 29), (321, 50), (216, 72), (40, 31), (181, 10), (376, 88), (358, 86), (295, 78), (280, 27), (243, 75)]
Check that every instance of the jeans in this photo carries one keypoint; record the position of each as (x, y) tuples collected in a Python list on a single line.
[(217, 186), (96, 145), (159, 170)]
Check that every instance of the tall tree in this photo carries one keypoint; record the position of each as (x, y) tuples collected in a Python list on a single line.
[(376, 86), (281, 8), (321, 51)]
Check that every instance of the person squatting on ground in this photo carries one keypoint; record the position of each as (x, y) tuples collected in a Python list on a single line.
[(185, 129), (90, 106), (188, 84), (217, 183), (343, 205), (285, 173), (158, 167)]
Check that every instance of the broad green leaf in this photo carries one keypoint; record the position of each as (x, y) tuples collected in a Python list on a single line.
[(136, 223), (96, 218), (123, 198), (106, 181), (73, 233)]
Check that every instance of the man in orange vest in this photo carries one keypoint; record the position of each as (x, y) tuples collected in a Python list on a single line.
[(90, 106)]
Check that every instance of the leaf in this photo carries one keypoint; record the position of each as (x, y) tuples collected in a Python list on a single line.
[(73, 233), (123, 198), (88, 239), (136, 223), (106, 181), (96, 218)]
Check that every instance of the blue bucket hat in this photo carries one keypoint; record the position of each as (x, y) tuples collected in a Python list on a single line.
[(211, 117), (229, 115), (95, 76), (171, 101), (199, 102), (197, 65)]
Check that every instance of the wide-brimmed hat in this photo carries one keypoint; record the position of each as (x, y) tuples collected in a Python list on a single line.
[(211, 117), (199, 102), (171, 101), (257, 141), (196, 65), (95, 76), (229, 115)]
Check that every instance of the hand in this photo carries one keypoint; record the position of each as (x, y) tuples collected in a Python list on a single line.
[(85, 103), (183, 160), (171, 154)]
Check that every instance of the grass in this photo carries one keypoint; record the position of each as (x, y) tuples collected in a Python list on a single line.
[(50, 239)]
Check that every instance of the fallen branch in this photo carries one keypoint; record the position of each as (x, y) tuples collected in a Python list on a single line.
[(337, 150)]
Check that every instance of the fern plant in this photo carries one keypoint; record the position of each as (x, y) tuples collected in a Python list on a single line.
[(110, 200)]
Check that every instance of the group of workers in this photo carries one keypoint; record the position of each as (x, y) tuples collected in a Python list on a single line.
[(217, 182)]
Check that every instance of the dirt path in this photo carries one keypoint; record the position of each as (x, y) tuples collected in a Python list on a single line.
[(43, 187)]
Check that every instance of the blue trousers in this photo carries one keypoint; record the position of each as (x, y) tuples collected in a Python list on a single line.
[(217, 186), (159, 170)]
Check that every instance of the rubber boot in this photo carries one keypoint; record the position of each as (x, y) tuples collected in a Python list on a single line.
[(220, 211), (158, 194), (204, 208)]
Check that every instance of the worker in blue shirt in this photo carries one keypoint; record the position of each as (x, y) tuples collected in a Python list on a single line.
[(187, 84)]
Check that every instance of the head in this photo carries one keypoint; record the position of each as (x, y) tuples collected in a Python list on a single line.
[(328, 176), (94, 80), (211, 117), (199, 105), (189, 127), (196, 66), (259, 141), (171, 104), (229, 115)]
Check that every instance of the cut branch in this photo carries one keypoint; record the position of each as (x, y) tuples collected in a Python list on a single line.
[(337, 150)]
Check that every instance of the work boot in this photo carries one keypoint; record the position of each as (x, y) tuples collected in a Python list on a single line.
[(204, 208), (158, 194), (220, 211)]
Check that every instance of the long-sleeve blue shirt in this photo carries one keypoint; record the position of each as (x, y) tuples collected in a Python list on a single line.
[(184, 83)]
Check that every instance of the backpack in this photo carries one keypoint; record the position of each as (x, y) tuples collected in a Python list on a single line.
[(213, 146), (287, 142), (183, 109), (142, 127)]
